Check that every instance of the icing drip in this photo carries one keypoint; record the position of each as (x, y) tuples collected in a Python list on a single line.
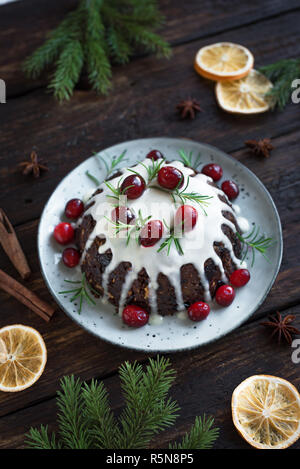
[(197, 244)]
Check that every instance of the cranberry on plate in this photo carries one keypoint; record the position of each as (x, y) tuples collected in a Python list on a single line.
[(71, 257), (133, 186), (151, 233), (134, 316), (225, 295), (231, 189), (170, 177), (122, 214), (74, 209), (198, 311), (154, 155), (186, 217), (63, 233), (240, 277), (213, 170)]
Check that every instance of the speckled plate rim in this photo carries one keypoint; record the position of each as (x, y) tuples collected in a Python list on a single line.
[(243, 320)]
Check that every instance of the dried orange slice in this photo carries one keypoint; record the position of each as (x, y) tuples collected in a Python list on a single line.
[(266, 412), (23, 357), (245, 96), (223, 61)]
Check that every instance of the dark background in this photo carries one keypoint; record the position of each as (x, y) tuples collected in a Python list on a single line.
[(142, 104)]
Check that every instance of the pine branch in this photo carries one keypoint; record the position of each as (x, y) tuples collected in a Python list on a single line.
[(39, 439), (95, 33), (66, 75), (86, 420), (100, 419), (282, 74), (147, 410), (201, 435), (72, 425)]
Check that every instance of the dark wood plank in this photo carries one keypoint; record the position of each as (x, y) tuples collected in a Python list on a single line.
[(141, 105), (218, 368), (24, 25), (100, 358)]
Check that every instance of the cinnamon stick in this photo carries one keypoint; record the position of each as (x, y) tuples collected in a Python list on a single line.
[(12, 247), (25, 296)]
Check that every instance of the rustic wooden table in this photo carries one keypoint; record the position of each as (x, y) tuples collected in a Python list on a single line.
[(142, 104)]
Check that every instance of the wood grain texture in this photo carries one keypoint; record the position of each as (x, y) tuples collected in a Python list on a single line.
[(24, 26), (205, 381), (142, 104)]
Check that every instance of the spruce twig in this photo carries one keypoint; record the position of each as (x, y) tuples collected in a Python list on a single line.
[(96, 33), (282, 74), (86, 420)]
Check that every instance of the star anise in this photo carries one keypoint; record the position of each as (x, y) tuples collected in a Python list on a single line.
[(281, 327), (188, 108), (261, 147), (33, 166)]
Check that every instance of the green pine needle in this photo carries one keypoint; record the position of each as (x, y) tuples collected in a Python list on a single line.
[(201, 435), (86, 421), (282, 74), (96, 33), (254, 242), (80, 292), (189, 160)]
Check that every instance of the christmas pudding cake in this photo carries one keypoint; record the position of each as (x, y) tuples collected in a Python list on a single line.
[(159, 237)]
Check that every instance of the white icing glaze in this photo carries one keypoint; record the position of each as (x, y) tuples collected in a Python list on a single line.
[(197, 244)]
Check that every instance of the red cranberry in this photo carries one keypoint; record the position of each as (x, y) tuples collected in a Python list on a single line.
[(63, 233), (240, 277), (198, 311), (133, 186), (154, 155), (231, 189), (213, 170), (134, 316), (122, 214), (170, 177), (74, 208), (151, 233), (225, 295), (186, 217), (71, 257)]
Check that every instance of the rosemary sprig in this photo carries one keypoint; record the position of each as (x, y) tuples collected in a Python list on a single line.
[(255, 242), (152, 170), (116, 191), (282, 74), (93, 178), (187, 159), (184, 197), (112, 165), (167, 243), (135, 229), (80, 292)]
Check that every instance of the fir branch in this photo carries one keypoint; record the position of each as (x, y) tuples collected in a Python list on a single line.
[(254, 242), (66, 75), (147, 408), (72, 426), (201, 435), (282, 74), (86, 420), (80, 292), (40, 439), (99, 416), (95, 33), (187, 159)]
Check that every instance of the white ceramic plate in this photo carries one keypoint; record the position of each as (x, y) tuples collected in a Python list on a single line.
[(173, 334)]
